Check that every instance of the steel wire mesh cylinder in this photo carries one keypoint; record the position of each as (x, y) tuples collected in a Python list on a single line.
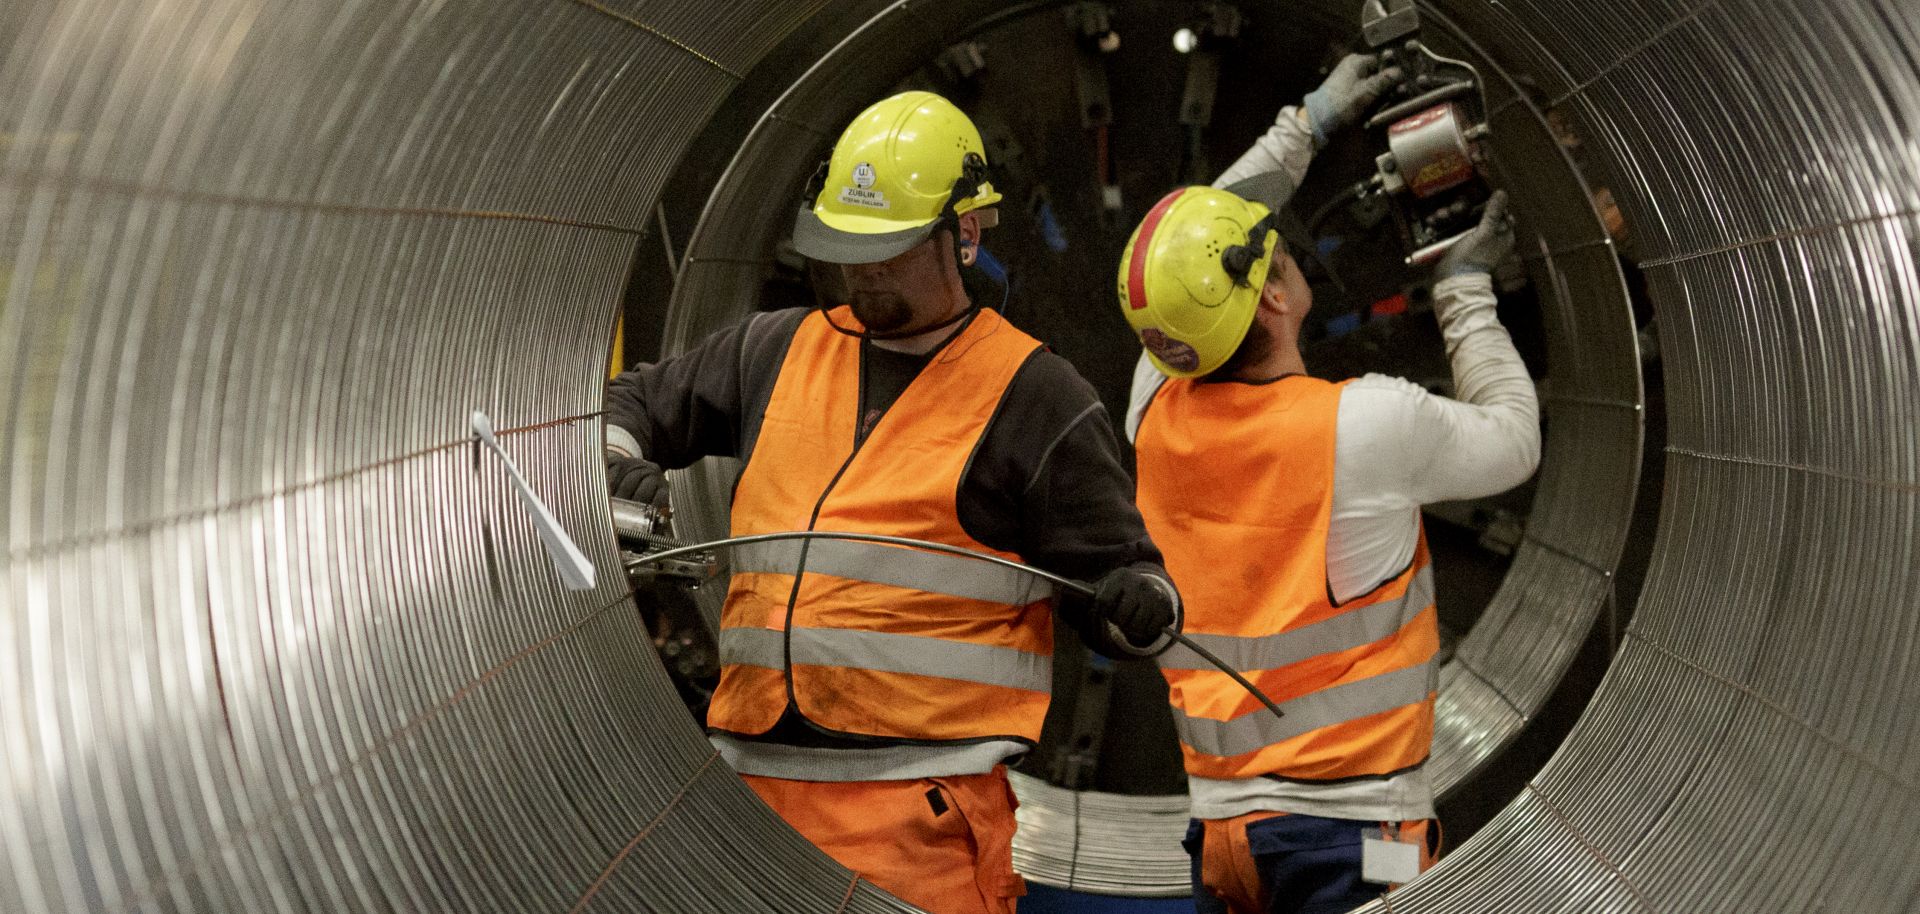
[(274, 636)]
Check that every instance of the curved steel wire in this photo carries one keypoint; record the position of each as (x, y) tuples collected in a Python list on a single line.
[(274, 641), (1080, 587), (731, 542)]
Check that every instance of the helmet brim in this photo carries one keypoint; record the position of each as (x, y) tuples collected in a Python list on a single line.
[(817, 240), (1271, 189)]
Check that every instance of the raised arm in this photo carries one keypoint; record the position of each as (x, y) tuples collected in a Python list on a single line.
[(1271, 169), (1485, 439)]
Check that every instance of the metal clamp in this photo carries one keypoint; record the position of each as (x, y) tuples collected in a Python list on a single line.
[(646, 527), (698, 567)]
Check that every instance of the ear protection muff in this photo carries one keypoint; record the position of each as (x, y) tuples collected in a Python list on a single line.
[(973, 173), (1239, 259), (815, 184)]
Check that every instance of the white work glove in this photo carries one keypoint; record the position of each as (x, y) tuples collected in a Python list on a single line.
[(1353, 85), (1489, 243)]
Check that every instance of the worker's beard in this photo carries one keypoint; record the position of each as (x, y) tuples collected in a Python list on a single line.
[(880, 311)]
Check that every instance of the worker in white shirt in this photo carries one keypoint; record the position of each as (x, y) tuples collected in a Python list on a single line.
[(1288, 510)]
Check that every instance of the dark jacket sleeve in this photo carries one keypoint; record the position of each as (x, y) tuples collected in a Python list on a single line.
[(1048, 483), (704, 402)]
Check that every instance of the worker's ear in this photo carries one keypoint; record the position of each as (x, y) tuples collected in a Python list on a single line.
[(1273, 294), (1283, 274), (975, 222)]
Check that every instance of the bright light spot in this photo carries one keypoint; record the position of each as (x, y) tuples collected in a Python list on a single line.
[(1185, 41)]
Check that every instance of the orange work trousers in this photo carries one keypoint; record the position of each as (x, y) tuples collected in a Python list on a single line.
[(942, 844)]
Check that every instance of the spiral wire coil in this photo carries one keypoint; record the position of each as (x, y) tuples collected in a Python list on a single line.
[(1116, 844), (273, 639)]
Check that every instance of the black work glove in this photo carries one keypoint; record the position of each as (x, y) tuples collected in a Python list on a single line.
[(636, 479), (1139, 605)]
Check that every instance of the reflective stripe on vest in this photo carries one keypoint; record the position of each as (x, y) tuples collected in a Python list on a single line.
[(1310, 712), (884, 641), (890, 653), (1236, 486), (1346, 631), (932, 572)]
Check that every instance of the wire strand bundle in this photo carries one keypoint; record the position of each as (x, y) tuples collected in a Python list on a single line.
[(274, 640)]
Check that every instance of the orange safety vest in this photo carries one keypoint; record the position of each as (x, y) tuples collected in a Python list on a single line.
[(873, 639), (1236, 485)]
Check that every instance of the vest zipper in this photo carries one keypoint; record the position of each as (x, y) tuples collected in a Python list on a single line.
[(793, 596), (800, 566)]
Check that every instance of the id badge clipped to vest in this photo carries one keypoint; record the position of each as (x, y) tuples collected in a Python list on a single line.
[(1387, 857)]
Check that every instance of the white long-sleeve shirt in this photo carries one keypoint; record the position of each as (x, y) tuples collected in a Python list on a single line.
[(1397, 447), (1285, 150)]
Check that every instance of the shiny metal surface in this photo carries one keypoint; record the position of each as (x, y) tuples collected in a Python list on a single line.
[(1115, 844), (272, 637), (272, 640), (1431, 151), (639, 521), (1752, 746)]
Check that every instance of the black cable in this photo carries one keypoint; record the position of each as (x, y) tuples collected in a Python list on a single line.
[(1078, 587), (1345, 196)]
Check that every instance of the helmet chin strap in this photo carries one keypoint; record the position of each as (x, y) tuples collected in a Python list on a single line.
[(970, 310), (973, 174)]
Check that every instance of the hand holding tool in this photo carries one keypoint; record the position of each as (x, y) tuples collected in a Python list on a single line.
[(636, 479), (1481, 249), (1356, 82), (1136, 604)]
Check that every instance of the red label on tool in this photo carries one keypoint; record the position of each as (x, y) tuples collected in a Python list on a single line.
[(1436, 113), (1431, 149), (1449, 170)]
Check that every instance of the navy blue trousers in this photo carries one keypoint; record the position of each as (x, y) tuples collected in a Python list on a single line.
[(1290, 864)]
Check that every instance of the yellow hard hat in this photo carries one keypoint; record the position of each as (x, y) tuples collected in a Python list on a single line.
[(1190, 277), (902, 165)]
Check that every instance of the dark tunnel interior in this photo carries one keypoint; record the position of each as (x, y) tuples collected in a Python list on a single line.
[(1023, 77), (1059, 138), (276, 634)]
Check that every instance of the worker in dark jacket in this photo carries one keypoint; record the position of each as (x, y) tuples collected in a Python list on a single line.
[(872, 693)]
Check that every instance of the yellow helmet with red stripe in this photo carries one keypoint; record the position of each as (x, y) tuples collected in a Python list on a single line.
[(1190, 277)]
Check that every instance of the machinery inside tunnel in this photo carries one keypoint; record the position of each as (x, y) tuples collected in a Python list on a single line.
[(277, 635)]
